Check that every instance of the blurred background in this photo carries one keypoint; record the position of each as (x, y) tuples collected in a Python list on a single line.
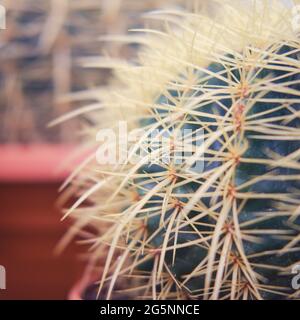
[(40, 50)]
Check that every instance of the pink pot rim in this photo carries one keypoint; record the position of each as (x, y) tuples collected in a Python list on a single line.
[(35, 162)]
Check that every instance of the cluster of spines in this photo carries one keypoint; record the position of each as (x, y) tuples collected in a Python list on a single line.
[(190, 234)]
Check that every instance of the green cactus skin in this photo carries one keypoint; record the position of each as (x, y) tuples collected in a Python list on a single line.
[(187, 259), (228, 229)]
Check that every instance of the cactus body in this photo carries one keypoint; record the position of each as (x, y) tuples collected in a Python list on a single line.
[(226, 229)]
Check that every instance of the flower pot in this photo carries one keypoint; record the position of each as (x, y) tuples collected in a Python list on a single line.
[(34, 163)]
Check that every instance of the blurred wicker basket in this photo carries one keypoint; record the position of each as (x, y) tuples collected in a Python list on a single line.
[(38, 56)]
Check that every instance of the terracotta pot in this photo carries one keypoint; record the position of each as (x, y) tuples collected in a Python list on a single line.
[(34, 163)]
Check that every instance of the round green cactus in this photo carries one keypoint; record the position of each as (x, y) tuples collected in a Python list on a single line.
[(222, 223)]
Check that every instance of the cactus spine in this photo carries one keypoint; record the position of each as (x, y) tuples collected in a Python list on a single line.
[(228, 231)]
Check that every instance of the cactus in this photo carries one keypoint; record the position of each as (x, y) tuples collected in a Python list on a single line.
[(227, 229)]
